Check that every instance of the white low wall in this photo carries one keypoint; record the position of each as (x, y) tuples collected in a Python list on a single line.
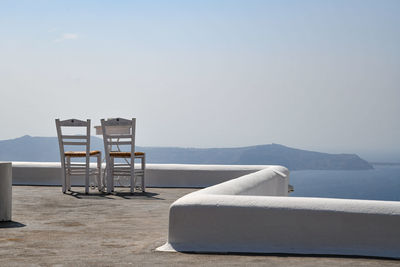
[(5, 191), (157, 175), (252, 215)]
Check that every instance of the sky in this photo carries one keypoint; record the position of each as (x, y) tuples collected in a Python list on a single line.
[(316, 75)]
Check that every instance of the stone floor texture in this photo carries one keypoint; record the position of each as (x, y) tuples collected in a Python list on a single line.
[(54, 229)]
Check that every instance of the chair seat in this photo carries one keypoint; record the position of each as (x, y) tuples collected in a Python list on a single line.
[(124, 154), (81, 153)]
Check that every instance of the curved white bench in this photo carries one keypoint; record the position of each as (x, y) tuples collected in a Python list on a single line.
[(251, 214)]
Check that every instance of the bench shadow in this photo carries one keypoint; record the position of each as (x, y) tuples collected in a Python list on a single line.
[(292, 255), (11, 224)]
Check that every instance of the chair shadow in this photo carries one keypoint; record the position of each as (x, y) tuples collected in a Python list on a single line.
[(81, 195), (11, 224), (137, 195), (124, 195)]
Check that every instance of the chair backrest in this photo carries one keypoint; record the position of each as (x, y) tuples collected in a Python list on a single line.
[(119, 132), (73, 139)]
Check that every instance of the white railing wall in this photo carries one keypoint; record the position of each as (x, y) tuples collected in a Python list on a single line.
[(5, 191), (157, 175)]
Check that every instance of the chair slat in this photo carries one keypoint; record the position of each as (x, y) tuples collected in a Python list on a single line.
[(73, 123), (71, 143), (117, 122), (67, 136), (126, 174), (81, 172), (118, 136), (120, 142)]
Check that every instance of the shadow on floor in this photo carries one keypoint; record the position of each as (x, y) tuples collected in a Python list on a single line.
[(289, 255), (136, 195), (11, 224), (125, 195)]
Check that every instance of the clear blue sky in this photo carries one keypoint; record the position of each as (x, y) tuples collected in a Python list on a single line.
[(321, 75)]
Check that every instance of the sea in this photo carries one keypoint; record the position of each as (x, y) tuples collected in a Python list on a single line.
[(380, 183)]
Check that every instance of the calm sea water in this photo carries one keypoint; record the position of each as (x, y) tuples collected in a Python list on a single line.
[(382, 183)]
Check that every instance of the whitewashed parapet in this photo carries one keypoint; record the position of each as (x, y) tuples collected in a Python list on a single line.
[(157, 175), (5, 191), (252, 214)]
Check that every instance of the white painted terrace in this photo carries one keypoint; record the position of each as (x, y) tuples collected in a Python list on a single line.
[(246, 209)]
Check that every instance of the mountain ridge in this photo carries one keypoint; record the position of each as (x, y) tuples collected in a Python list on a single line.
[(28, 148)]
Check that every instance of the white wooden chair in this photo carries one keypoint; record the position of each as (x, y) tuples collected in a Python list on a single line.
[(119, 143), (70, 168)]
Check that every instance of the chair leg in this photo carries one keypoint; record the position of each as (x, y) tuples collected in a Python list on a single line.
[(87, 177), (63, 178), (68, 174), (108, 182), (144, 171), (110, 176), (101, 173), (99, 183), (133, 175)]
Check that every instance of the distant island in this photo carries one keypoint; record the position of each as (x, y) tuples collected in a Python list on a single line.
[(386, 163), (45, 149)]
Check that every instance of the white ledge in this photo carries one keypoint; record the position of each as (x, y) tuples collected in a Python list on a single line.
[(157, 175), (252, 214), (5, 191)]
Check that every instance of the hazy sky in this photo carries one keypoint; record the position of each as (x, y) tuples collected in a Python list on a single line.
[(321, 75)]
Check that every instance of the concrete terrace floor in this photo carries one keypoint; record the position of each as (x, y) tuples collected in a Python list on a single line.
[(50, 228)]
